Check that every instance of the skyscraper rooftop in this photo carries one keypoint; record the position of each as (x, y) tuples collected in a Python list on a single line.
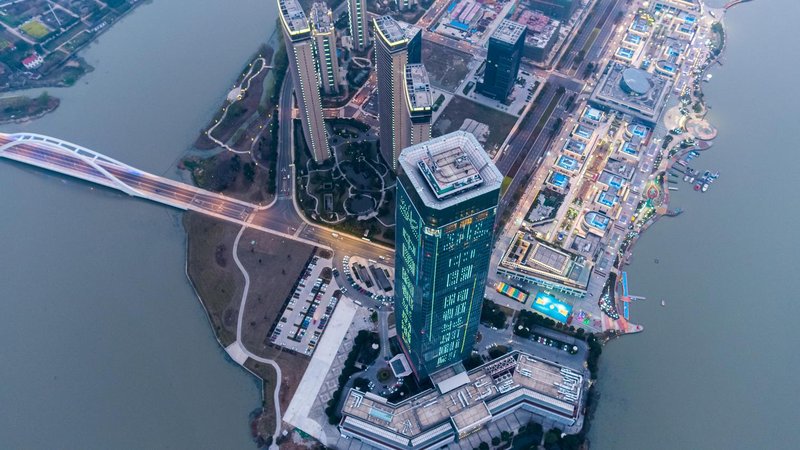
[(508, 31), (393, 31), (293, 17), (449, 169), (418, 87), (320, 19)]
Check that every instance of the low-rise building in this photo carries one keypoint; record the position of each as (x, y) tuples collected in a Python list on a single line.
[(463, 402), (33, 61), (535, 261)]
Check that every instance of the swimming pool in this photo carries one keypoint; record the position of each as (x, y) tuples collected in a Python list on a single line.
[(558, 179), (548, 305)]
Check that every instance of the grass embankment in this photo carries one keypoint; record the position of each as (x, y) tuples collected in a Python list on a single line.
[(20, 108), (219, 283)]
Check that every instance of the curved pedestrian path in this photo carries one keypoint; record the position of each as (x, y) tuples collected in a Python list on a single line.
[(240, 353)]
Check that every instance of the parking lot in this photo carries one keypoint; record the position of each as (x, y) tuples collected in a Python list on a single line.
[(307, 313), (370, 277)]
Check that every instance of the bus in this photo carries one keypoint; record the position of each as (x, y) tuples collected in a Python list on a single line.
[(512, 292)]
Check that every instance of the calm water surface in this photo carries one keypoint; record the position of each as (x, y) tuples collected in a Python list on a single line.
[(717, 367), (104, 343)]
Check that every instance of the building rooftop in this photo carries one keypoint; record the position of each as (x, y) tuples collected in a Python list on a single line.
[(418, 88), (541, 28), (321, 18), (508, 32), (395, 32), (487, 390), (631, 91), (293, 17), (531, 256), (449, 169)]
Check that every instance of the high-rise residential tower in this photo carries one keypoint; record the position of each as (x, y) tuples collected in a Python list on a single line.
[(419, 103), (502, 60), (300, 50), (447, 194), (397, 45), (325, 47), (357, 11)]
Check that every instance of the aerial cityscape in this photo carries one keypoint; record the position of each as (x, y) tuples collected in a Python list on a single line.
[(415, 224)]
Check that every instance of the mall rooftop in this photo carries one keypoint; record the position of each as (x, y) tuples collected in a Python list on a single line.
[(293, 17), (419, 87), (464, 402), (449, 169)]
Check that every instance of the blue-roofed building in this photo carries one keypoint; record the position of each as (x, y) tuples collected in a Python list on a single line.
[(568, 163), (624, 54), (592, 116), (559, 180), (575, 147), (632, 39), (582, 132), (608, 198)]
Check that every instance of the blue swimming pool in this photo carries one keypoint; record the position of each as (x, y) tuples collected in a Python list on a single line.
[(559, 179), (552, 307)]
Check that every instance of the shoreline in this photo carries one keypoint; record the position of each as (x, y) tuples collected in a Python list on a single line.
[(626, 257), (56, 78)]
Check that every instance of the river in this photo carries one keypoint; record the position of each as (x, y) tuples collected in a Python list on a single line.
[(104, 343), (716, 368)]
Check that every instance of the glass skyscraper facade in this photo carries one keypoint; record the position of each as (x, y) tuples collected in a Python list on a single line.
[(503, 56), (447, 194)]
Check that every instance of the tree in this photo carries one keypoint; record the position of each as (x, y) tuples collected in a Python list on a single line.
[(495, 441), (483, 446)]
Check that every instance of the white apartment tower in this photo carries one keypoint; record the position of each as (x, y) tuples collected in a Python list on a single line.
[(397, 44), (325, 46), (300, 50), (357, 11)]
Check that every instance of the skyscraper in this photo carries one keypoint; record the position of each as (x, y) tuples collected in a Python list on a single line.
[(502, 60), (357, 11), (447, 194), (419, 102), (325, 47), (397, 45), (299, 48)]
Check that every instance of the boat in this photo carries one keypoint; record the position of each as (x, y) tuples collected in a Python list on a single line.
[(663, 303), (672, 188), (704, 188)]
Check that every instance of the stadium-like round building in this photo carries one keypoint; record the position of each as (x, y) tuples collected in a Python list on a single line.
[(635, 82)]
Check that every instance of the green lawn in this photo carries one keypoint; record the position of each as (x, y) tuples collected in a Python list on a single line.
[(35, 29)]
